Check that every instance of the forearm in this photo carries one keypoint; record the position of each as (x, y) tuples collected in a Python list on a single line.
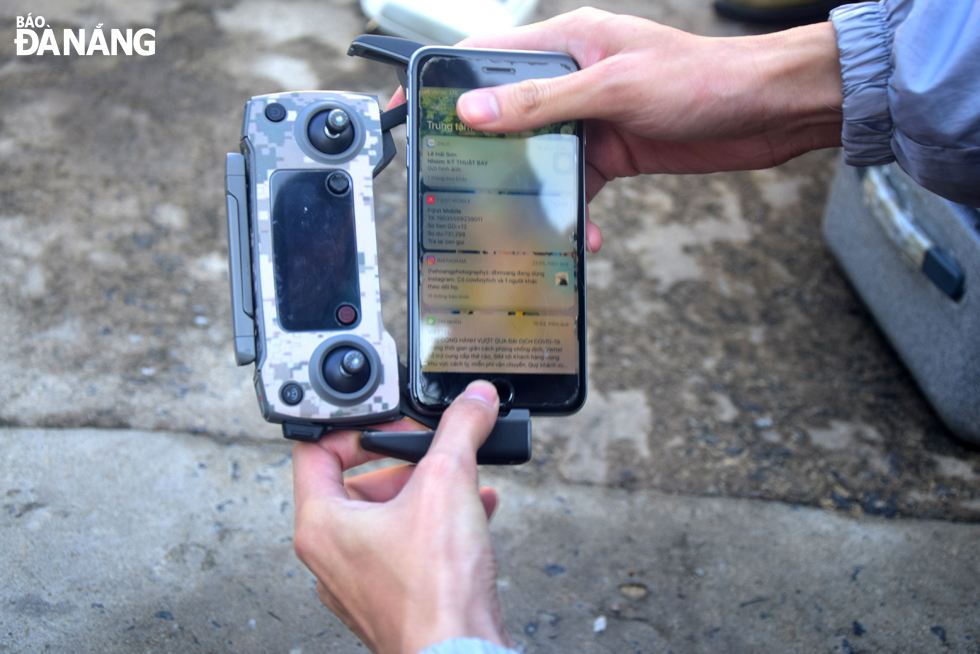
[(796, 89)]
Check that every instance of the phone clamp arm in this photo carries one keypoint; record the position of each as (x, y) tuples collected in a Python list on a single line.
[(508, 444), (395, 52), (390, 50)]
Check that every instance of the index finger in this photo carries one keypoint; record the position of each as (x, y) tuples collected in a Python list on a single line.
[(396, 99), (547, 35), (569, 33), (318, 468)]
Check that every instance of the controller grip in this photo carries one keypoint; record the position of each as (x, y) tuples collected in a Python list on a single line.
[(508, 444)]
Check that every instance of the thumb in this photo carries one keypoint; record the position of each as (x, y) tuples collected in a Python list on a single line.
[(531, 103), (448, 469), (467, 422)]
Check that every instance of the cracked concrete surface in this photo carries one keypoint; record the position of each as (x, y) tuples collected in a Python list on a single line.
[(732, 370)]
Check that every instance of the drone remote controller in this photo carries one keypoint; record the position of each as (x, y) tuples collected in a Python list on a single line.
[(303, 245)]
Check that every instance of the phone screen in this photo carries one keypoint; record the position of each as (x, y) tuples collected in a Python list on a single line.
[(499, 222)]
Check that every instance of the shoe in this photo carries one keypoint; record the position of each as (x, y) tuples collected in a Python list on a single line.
[(778, 12)]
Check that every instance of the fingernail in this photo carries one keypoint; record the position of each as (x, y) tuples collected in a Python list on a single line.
[(482, 391), (478, 107)]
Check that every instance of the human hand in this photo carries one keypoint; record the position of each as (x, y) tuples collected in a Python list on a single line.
[(402, 555), (665, 101)]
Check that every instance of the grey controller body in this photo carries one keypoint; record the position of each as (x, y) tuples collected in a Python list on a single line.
[(303, 261)]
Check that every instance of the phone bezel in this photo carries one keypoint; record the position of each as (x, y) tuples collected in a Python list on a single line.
[(567, 401)]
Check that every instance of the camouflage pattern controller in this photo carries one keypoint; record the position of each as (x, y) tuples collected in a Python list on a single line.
[(303, 259)]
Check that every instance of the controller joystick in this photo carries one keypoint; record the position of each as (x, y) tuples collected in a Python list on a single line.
[(331, 131), (346, 370), (337, 122), (352, 363)]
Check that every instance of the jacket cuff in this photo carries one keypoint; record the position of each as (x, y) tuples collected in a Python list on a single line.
[(466, 646), (864, 37)]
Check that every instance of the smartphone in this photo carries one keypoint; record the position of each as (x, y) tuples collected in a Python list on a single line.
[(496, 240)]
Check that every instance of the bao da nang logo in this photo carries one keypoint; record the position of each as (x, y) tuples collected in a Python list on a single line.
[(29, 42)]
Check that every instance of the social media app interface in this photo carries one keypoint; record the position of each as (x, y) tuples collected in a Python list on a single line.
[(498, 270)]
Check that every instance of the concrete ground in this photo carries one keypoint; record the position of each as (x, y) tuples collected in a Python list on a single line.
[(754, 469)]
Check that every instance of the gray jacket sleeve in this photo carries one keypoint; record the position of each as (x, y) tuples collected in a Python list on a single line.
[(466, 646), (911, 73)]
